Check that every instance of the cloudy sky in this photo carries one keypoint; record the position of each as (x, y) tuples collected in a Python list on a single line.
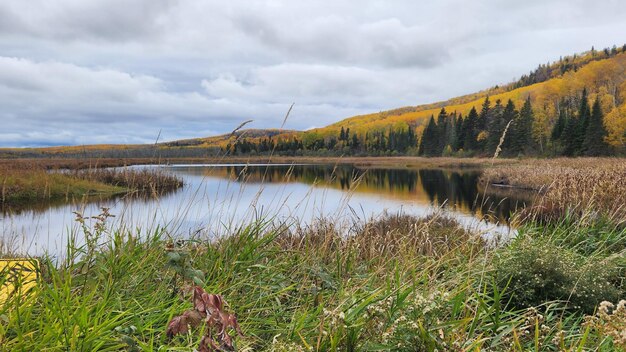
[(120, 71)]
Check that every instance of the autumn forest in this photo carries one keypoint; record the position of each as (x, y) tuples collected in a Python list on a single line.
[(575, 106)]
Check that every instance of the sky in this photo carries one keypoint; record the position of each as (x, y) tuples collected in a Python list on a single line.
[(78, 72)]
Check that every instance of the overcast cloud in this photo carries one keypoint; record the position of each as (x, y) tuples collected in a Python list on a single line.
[(118, 71)]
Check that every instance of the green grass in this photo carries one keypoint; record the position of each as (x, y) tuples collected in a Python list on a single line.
[(397, 283)]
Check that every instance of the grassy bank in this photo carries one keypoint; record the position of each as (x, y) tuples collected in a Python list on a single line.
[(395, 283), (27, 184)]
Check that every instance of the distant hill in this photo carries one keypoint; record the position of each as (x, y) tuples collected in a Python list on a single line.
[(563, 99)]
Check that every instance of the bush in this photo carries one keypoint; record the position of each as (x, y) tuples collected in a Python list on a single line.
[(538, 271)]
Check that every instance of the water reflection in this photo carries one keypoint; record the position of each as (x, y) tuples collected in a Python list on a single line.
[(218, 196), (457, 190)]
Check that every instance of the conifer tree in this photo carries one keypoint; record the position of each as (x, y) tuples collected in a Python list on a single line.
[(482, 122), (495, 127), (523, 142), (559, 126), (429, 144), (584, 114), (509, 115), (442, 125), (469, 130), (451, 130), (460, 133), (594, 144)]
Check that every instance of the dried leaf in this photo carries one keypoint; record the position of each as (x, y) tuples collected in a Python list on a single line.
[(207, 307), (181, 323)]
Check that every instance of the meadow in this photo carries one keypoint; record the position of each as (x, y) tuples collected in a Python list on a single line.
[(392, 282)]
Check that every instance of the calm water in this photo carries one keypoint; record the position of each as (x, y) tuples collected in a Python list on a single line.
[(218, 196)]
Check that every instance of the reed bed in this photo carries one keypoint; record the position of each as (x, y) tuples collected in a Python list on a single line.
[(588, 187), (22, 184), (142, 181)]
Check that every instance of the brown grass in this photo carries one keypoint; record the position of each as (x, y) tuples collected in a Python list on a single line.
[(391, 236), (579, 186), (23, 183), (140, 181)]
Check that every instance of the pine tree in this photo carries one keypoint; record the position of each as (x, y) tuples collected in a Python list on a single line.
[(509, 115), (559, 126), (469, 130), (451, 129), (495, 127), (570, 144), (355, 142), (460, 133), (523, 142), (482, 122), (584, 114), (429, 144), (594, 144), (442, 126)]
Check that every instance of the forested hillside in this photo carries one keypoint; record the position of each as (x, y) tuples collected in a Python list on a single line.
[(574, 106)]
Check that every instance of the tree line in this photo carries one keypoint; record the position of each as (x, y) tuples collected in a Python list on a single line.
[(495, 128)]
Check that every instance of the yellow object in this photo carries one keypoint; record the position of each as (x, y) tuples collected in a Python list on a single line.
[(17, 276)]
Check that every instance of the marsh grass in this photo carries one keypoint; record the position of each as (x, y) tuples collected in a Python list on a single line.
[(141, 181), (30, 184), (585, 187)]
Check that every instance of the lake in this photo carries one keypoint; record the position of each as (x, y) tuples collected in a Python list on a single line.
[(216, 197)]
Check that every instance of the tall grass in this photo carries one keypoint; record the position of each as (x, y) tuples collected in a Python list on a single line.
[(393, 283), (22, 184), (586, 187)]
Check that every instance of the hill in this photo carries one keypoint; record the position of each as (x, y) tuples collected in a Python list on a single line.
[(573, 106), (558, 99)]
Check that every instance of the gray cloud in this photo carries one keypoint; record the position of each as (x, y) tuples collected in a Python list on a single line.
[(75, 72)]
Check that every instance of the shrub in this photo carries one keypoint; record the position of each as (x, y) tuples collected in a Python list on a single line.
[(536, 271)]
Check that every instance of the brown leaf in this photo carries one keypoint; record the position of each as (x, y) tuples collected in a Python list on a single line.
[(198, 299), (207, 307), (181, 323)]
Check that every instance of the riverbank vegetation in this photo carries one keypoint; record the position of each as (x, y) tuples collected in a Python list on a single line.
[(23, 184), (392, 283), (585, 186)]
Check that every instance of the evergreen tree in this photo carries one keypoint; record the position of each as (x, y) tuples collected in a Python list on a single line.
[(469, 130), (460, 133), (523, 142), (442, 126), (481, 124), (509, 115), (584, 114), (429, 145), (570, 144), (594, 144), (451, 130), (355, 142), (559, 126), (495, 127)]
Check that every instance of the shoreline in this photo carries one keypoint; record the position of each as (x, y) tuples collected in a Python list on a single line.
[(366, 161)]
